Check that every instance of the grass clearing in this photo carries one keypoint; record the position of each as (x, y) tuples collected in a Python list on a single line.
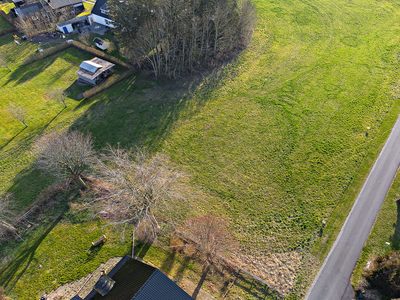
[(276, 141)]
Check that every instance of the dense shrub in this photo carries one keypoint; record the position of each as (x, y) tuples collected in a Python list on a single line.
[(6, 31), (384, 275)]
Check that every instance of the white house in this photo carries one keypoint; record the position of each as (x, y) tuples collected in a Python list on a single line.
[(100, 14)]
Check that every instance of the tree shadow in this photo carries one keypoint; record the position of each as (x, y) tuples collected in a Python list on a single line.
[(141, 249), (255, 288), (168, 262), (9, 141), (10, 277), (396, 237), (28, 72), (55, 117), (142, 112)]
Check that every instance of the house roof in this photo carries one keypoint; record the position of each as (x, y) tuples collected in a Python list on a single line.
[(61, 3), (91, 69), (96, 10), (98, 40), (135, 280), (73, 21), (159, 286), (26, 10), (76, 297)]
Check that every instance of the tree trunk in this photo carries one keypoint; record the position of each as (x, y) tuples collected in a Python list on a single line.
[(80, 181)]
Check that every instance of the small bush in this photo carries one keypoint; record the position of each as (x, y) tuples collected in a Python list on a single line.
[(6, 31), (3, 295), (384, 275)]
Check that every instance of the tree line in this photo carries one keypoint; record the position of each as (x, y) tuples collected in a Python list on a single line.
[(174, 37)]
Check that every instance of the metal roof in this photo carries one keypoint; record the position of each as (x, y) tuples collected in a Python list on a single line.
[(128, 280), (61, 3), (160, 287), (96, 10), (90, 66), (26, 10), (135, 280)]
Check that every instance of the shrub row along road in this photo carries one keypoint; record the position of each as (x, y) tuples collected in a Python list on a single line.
[(333, 280)]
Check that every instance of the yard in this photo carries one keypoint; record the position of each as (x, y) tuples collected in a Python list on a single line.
[(276, 141)]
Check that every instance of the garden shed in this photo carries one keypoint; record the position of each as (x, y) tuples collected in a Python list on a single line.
[(94, 71), (70, 25), (103, 45)]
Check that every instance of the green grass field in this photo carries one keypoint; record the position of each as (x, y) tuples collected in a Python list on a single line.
[(276, 141), (4, 24)]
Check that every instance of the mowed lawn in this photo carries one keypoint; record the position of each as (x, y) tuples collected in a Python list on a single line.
[(276, 142)]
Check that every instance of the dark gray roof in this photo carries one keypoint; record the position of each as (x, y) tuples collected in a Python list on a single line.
[(160, 287), (135, 280), (26, 10), (98, 40), (76, 298), (73, 21), (96, 10), (61, 3)]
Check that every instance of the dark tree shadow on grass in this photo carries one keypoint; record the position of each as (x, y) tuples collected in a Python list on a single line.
[(139, 111), (9, 141), (28, 72), (396, 237), (12, 273)]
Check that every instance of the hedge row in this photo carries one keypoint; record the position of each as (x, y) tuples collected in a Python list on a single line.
[(100, 54), (4, 15), (6, 31), (109, 82), (46, 53)]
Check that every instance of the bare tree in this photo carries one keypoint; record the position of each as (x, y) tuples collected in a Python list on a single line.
[(209, 236), (138, 188), (174, 37), (67, 154), (17, 112), (7, 217), (3, 62), (59, 94)]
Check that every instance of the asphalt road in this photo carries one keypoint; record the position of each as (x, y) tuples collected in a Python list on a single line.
[(332, 281)]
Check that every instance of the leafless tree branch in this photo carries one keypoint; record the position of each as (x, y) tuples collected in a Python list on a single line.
[(67, 154)]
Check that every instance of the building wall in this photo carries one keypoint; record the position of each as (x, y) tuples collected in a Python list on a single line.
[(87, 80), (69, 28), (100, 20)]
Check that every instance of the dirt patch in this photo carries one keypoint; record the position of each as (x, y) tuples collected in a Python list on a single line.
[(278, 269), (55, 37)]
